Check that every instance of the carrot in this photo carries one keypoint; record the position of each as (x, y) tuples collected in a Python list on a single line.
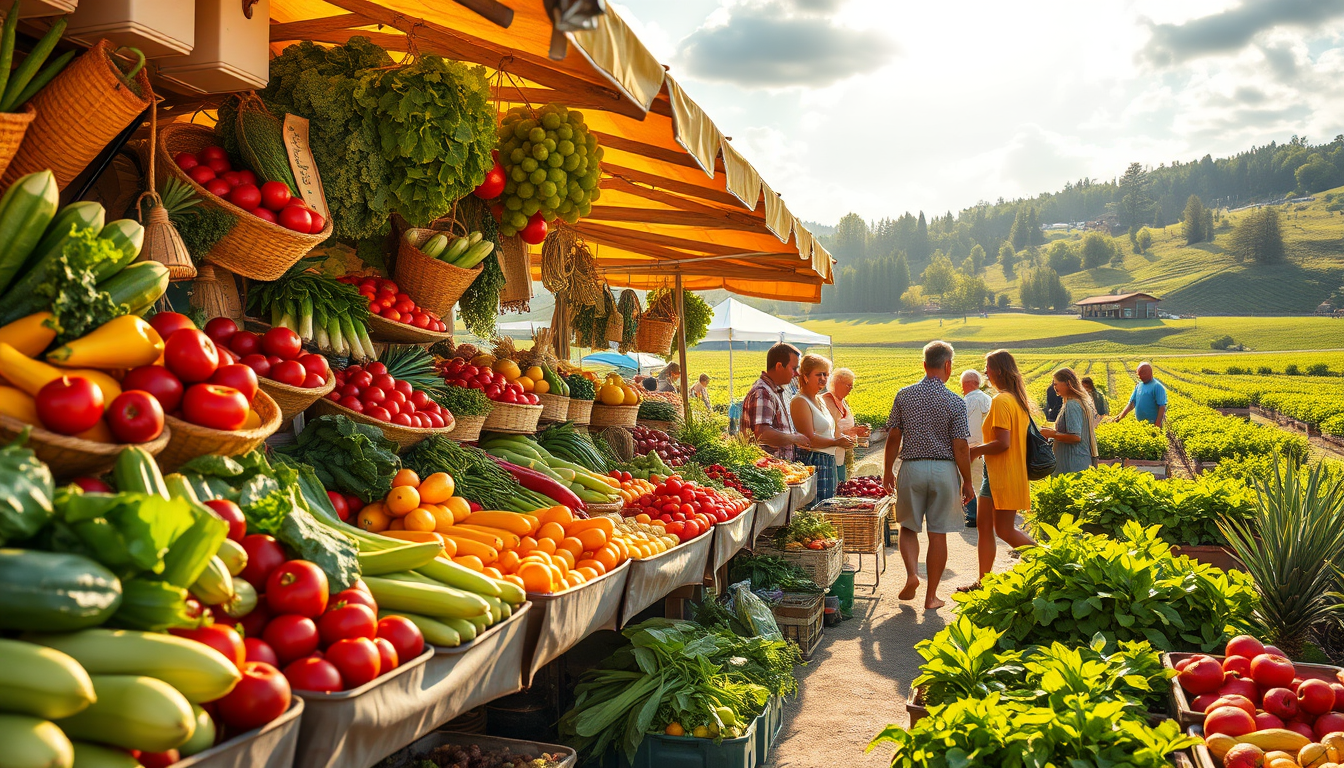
[(517, 524), (510, 539), (579, 526), (466, 547)]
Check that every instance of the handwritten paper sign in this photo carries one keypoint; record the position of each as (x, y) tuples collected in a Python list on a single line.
[(302, 163)]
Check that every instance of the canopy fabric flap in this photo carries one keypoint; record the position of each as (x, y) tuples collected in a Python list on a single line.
[(735, 321)]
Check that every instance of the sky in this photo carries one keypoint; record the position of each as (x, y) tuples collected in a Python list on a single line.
[(884, 106)]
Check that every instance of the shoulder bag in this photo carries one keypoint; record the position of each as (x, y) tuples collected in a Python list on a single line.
[(1040, 455)]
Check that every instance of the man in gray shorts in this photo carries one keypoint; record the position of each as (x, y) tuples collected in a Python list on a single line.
[(929, 432)]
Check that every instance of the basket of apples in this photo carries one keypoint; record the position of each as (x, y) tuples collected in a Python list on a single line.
[(368, 394), (294, 378), (213, 402), (394, 317), (272, 229)]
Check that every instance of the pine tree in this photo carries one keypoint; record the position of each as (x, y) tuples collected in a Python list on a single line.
[(1007, 258), (1020, 236), (978, 259), (921, 245), (1035, 235), (851, 238), (900, 281), (1193, 224)]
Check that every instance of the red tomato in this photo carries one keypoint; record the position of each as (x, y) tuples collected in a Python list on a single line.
[(313, 674), (245, 196), (258, 650), (315, 364), (201, 174), (256, 620), (258, 363), (388, 659), (353, 403), (264, 215), (69, 405), (362, 379), (356, 595), (158, 759), (493, 184), (373, 395), (260, 697), (535, 231), (338, 503), (215, 407), (357, 658), (264, 555), (295, 218), (404, 636), (378, 412), (226, 355), (281, 342), (186, 161), (157, 381), (313, 381), (135, 416), (218, 165), (232, 178), (245, 343), (92, 485), (291, 637), (241, 377), (349, 620), (376, 369), (318, 223), (298, 587), (212, 153), (217, 187), (167, 323), (288, 372), (190, 355), (402, 419), (226, 640), (246, 177)]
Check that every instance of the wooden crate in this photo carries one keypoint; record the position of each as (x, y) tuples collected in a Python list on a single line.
[(799, 618), (821, 565)]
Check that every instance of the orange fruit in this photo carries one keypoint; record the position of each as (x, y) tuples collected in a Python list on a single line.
[(538, 556), (508, 562), (404, 478), (552, 531), (527, 544), (512, 579), (622, 548), (396, 525), (437, 488), (642, 518), (443, 519), (592, 565), (565, 556), (492, 572), (574, 579), (558, 514), (470, 561), (373, 518), (419, 519), (592, 538), (526, 383), (557, 575), (458, 506), (608, 557), (546, 545), (586, 572), (572, 545), (402, 499), (536, 577)]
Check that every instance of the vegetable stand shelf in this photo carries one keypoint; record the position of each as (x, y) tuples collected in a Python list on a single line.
[(353, 729), (652, 578), (557, 622), (770, 513), (802, 494), (860, 523), (270, 746), (730, 538), (661, 751)]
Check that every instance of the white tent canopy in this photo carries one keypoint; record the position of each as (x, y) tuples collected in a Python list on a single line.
[(735, 321)]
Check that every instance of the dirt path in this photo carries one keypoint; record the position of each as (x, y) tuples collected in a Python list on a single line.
[(858, 678)]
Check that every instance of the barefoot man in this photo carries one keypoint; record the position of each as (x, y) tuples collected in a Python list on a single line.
[(929, 432)]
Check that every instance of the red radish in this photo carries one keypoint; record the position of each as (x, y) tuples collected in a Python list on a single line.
[(201, 174)]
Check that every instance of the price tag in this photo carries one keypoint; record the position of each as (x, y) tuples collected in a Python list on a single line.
[(304, 167)]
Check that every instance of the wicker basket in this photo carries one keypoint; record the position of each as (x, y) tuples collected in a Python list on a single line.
[(554, 408), (664, 426), (513, 418), (580, 411), (190, 440), (78, 115), (467, 429), (433, 284), (799, 618), (615, 328), (822, 566), (861, 531), (70, 456), (655, 336), (404, 437), (392, 332), (513, 262), (253, 248), (12, 129), (294, 400), (604, 416)]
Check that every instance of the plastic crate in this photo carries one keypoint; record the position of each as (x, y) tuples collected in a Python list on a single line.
[(768, 726), (821, 565), (661, 751)]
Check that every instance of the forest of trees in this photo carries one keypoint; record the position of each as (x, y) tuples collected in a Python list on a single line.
[(1001, 235)]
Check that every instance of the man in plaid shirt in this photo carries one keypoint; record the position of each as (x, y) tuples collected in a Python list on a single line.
[(763, 412)]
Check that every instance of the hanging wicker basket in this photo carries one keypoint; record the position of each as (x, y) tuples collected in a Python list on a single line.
[(580, 411), (191, 440), (655, 335), (71, 456), (253, 248), (215, 292), (78, 115), (433, 284), (395, 332), (294, 400), (12, 129), (404, 437), (514, 263)]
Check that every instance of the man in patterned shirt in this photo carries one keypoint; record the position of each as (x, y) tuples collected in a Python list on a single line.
[(763, 412), (928, 430)]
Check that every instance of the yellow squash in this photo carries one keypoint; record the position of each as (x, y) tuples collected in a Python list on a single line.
[(18, 404), (125, 342), (31, 375), (28, 334)]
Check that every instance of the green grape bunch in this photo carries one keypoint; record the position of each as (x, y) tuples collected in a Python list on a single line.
[(552, 164)]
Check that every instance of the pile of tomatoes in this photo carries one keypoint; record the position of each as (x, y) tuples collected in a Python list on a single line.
[(276, 355), (495, 385), (684, 509), (371, 391), (728, 478), (75, 405), (271, 201), (389, 302)]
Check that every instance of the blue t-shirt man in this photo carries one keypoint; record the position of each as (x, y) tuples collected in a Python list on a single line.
[(1149, 400)]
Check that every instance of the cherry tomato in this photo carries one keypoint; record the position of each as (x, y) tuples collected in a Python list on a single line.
[(264, 555), (353, 403), (274, 360), (201, 174), (388, 659), (357, 658), (376, 368), (246, 177), (313, 674), (260, 697), (212, 153), (373, 395), (232, 178), (362, 379), (245, 196), (315, 364), (348, 620), (230, 513), (291, 637), (378, 412), (135, 416), (281, 342), (158, 759), (258, 363), (298, 587), (245, 343), (318, 223), (258, 650), (215, 407), (186, 161), (338, 503), (226, 640), (190, 355), (157, 381), (167, 323), (289, 372), (219, 165), (241, 377), (92, 485), (256, 620), (294, 218), (69, 405), (404, 636)]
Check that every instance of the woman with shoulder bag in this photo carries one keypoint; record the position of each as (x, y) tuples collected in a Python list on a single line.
[(1075, 441)]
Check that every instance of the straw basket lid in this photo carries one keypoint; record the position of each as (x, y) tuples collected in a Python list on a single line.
[(71, 456), (192, 440), (404, 437)]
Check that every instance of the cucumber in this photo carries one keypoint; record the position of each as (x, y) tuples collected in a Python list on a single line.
[(83, 215), (26, 211), (42, 682), (244, 600), (22, 298), (133, 712), (425, 599), (404, 558), (97, 756), (202, 738), (215, 585), (475, 254), (197, 671), (435, 246), (54, 592), (129, 236), (458, 248), (233, 555), (137, 286), (30, 742), (435, 632), (135, 470)]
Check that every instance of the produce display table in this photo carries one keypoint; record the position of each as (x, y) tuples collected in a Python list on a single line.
[(270, 746), (652, 578), (356, 728), (730, 537), (802, 494), (558, 622), (771, 512)]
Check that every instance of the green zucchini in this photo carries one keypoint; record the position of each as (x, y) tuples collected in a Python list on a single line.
[(97, 756), (404, 558), (133, 712), (215, 585), (26, 211), (54, 592), (42, 682), (138, 286), (135, 470), (476, 254), (129, 237), (435, 632), (261, 140), (82, 215), (458, 248), (30, 742), (202, 738), (435, 246)]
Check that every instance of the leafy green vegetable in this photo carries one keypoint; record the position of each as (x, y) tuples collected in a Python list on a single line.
[(479, 306), (478, 477), (129, 533), (764, 482), (657, 410), (1131, 439), (771, 573), (72, 286), (282, 514), (580, 388), (202, 229), (347, 456), (805, 527), (26, 491), (461, 401)]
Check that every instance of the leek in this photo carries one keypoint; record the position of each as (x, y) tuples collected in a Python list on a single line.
[(306, 318)]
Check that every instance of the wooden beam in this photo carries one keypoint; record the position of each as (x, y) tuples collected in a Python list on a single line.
[(387, 40), (663, 154), (681, 351), (733, 220), (491, 10), (304, 30), (615, 183), (708, 270), (681, 243), (539, 96), (680, 187)]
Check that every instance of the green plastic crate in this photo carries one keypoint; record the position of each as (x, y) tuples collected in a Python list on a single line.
[(661, 751), (843, 588), (768, 726)]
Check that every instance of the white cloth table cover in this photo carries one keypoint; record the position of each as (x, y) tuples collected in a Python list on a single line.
[(270, 746), (651, 579), (558, 622)]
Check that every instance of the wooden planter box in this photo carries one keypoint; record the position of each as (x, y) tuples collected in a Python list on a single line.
[(1158, 469), (1210, 554)]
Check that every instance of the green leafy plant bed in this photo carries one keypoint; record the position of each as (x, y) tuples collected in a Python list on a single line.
[(1131, 439), (1103, 499)]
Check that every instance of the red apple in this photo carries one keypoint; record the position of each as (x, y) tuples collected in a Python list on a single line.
[(1203, 675), (1240, 702), (1202, 702), (1237, 665), (1272, 671), (1232, 721), (1265, 721), (1244, 645), (1244, 756), (1183, 663), (1281, 703), (1328, 723), (1315, 697), (1274, 649), (1338, 688), (1300, 727), (1236, 685)]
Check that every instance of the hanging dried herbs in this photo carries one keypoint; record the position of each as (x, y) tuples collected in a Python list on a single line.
[(479, 305), (630, 311)]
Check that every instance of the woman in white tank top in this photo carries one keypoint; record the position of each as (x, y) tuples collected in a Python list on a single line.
[(813, 420)]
